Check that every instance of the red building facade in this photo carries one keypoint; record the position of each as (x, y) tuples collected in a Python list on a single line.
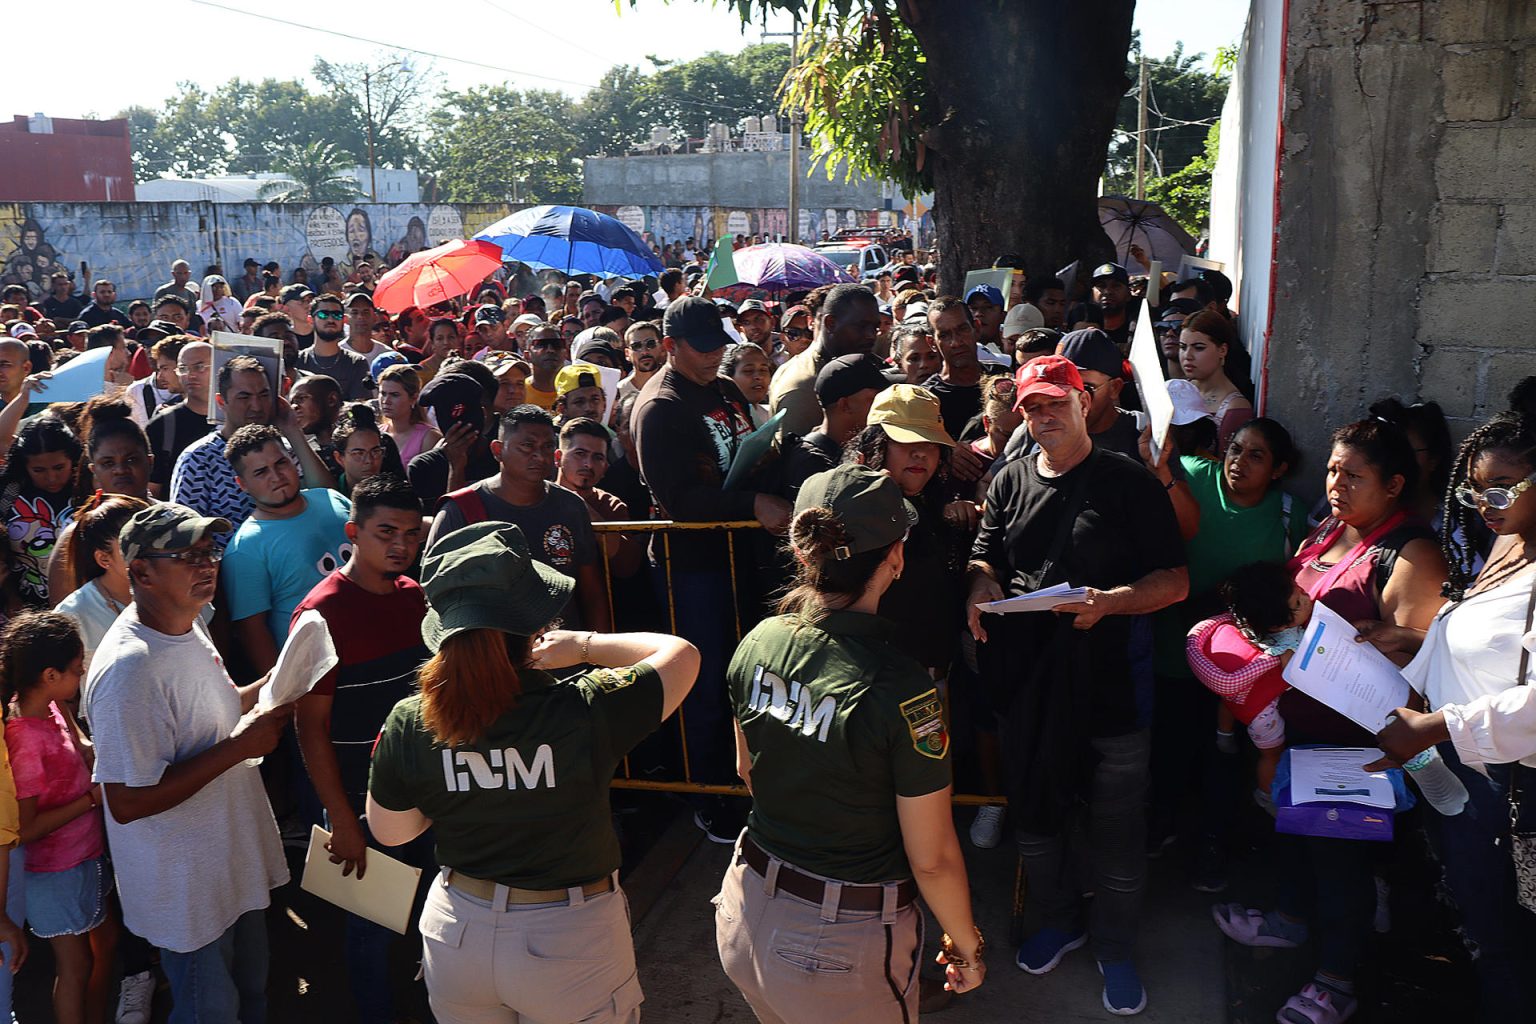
[(59, 159)]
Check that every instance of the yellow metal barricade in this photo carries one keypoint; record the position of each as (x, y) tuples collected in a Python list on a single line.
[(666, 527)]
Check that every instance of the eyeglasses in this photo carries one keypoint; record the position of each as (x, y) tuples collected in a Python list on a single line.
[(797, 333), (376, 452), (648, 343), (1496, 498), (1091, 388), (193, 557), (328, 314)]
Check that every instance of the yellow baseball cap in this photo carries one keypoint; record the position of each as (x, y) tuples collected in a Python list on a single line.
[(909, 414), (577, 375)]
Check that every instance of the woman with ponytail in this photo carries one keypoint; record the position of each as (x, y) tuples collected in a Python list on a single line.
[(1474, 669), (842, 741), (99, 590), (510, 767)]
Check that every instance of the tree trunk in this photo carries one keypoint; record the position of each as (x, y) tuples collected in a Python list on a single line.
[(1026, 92)]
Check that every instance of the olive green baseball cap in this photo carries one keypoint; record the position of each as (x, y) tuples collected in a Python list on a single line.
[(166, 526), (482, 577), (869, 504)]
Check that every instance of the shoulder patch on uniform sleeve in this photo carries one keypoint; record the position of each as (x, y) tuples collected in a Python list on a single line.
[(924, 715), (607, 680)]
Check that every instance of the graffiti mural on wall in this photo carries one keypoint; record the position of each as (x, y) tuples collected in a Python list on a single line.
[(134, 244), (679, 223)]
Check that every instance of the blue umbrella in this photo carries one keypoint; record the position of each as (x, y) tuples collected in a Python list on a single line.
[(572, 240)]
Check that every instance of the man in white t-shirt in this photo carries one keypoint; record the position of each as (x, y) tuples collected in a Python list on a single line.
[(194, 844)]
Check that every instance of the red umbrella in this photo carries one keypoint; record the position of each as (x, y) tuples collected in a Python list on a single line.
[(436, 275)]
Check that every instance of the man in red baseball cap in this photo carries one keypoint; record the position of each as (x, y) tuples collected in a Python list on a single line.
[(1076, 514)]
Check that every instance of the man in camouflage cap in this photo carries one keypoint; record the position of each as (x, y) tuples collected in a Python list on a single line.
[(195, 849)]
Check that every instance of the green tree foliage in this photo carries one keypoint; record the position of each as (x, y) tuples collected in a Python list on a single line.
[(317, 175), (495, 144), (1185, 195), (268, 121), (1184, 100), (178, 139), (394, 92)]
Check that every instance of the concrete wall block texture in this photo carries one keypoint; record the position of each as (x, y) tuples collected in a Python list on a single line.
[(1452, 377), (1517, 239), (1479, 84), (1401, 22), (1487, 313), (1526, 76), (1503, 372), (1464, 238), (1493, 162), (1479, 21)]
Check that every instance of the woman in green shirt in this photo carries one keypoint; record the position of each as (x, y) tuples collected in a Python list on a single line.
[(842, 741), (510, 768)]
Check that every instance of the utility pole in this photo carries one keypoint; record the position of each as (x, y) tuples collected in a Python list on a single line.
[(373, 186), (796, 120), (1141, 135)]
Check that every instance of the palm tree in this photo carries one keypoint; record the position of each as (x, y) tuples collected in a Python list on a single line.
[(314, 175)]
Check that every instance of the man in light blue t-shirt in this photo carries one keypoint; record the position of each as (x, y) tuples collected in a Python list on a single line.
[(293, 539)]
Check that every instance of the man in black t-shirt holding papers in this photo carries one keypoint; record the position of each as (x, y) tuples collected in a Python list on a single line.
[(1061, 681)]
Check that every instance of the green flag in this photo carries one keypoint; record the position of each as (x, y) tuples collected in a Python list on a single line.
[(722, 266)]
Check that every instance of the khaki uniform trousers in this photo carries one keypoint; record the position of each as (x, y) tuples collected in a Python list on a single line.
[(487, 962), (797, 962)]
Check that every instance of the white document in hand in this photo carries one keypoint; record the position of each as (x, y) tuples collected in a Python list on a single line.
[(1042, 600), (1337, 774), (383, 895), (1354, 679), (307, 655)]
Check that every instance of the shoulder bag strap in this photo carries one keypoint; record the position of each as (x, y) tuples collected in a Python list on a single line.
[(1525, 663), (1076, 493)]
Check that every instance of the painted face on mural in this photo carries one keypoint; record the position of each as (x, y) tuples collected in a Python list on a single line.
[(359, 235)]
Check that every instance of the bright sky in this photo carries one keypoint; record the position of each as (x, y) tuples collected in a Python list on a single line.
[(136, 51)]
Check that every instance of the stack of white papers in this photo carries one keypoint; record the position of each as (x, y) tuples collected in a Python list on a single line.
[(1336, 775), (1352, 677), (383, 895), (1038, 601)]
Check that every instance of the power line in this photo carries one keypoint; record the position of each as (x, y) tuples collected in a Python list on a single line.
[(443, 56)]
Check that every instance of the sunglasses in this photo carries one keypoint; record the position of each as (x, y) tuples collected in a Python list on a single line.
[(797, 333), (1496, 498), (196, 559), (648, 343), (328, 314)]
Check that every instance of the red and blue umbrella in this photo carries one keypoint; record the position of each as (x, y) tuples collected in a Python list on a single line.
[(572, 240)]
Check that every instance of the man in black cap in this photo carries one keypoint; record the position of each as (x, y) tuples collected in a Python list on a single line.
[(846, 388), (462, 400), (490, 330), (247, 285), (688, 424), (1118, 309), (295, 301), (755, 324), (329, 357)]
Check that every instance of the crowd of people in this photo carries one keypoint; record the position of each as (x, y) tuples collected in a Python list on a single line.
[(440, 487)]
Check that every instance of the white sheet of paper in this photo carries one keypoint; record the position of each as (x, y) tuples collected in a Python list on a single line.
[(307, 655), (1147, 362), (1042, 600), (383, 895), (1329, 774), (611, 378), (1354, 679)]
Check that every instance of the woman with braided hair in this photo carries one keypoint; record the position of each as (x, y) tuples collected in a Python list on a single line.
[(1473, 667)]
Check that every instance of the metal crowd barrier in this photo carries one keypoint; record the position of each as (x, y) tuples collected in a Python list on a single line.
[(666, 527)]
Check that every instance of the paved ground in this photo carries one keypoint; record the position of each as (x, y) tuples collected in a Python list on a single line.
[(1182, 962)]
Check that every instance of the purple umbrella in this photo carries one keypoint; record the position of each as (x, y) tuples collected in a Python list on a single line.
[(782, 267)]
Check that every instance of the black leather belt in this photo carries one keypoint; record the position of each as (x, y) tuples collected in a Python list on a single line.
[(869, 898)]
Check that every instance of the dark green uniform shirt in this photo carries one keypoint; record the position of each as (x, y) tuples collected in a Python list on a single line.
[(839, 723), (526, 804)]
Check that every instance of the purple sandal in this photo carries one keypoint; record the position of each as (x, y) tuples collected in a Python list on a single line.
[(1316, 1005)]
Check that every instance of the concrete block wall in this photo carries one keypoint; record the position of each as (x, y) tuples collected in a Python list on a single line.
[(1406, 248)]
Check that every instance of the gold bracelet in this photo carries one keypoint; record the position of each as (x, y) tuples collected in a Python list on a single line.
[(954, 959), (586, 646)]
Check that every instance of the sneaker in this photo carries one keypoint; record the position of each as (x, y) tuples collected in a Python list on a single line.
[(1210, 874), (1124, 994), (716, 831), (987, 829), (1042, 951), (135, 998)]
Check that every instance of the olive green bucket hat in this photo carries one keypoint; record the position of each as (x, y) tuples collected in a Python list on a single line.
[(869, 504), (482, 577)]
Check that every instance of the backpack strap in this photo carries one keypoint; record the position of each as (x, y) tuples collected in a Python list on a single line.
[(470, 504)]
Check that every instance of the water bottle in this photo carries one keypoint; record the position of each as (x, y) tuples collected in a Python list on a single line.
[(1437, 782)]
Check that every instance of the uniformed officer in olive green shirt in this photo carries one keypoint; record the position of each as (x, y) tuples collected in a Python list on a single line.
[(843, 742)]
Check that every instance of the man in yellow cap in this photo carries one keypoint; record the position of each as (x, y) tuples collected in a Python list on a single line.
[(579, 392)]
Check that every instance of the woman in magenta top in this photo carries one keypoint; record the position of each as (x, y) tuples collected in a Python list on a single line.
[(1379, 569)]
